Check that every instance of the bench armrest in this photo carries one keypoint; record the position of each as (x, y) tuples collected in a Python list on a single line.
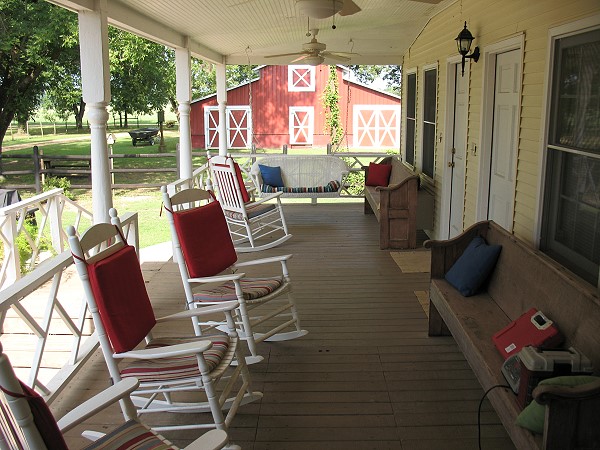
[(445, 253), (546, 393)]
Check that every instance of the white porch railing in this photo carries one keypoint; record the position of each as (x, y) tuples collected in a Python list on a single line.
[(48, 209), (44, 322)]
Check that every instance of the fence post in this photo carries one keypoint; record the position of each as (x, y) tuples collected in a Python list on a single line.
[(285, 149), (329, 148), (37, 173), (177, 158)]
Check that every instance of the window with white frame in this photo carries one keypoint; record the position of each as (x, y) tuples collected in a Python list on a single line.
[(429, 106), (571, 211), (411, 118), (301, 79)]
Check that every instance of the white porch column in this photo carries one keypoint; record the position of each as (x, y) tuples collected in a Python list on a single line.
[(184, 93), (95, 81), (222, 101)]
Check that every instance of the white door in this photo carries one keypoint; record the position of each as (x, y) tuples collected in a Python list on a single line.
[(459, 152), (504, 139), (302, 124)]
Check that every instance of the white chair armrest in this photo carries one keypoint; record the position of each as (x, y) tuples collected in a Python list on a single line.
[(189, 348), (203, 311), (263, 261), (213, 440), (218, 278), (97, 403), (267, 197)]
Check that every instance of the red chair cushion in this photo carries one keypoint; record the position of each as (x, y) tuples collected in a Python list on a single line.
[(120, 293), (379, 174), (238, 174), (205, 241), (43, 419)]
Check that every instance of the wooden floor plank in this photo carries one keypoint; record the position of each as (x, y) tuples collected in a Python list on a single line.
[(366, 376)]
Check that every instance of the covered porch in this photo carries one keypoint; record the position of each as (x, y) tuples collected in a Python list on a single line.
[(366, 376)]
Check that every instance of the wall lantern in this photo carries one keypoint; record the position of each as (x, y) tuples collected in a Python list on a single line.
[(463, 41)]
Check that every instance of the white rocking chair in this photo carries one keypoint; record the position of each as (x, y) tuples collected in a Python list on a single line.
[(205, 253), (116, 293), (248, 221), (26, 421)]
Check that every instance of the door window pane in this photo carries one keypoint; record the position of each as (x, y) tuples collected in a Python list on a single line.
[(411, 117)]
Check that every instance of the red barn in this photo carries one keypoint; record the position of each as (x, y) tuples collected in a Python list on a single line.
[(283, 106)]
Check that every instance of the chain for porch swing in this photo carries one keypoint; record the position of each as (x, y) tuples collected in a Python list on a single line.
[(253, 140)]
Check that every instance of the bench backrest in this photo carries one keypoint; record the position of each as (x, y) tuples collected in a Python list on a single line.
[(526, 278), (399, 171), (304, 170)]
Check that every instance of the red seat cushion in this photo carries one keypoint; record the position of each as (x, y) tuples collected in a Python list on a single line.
[(379, 174), (120, 294), (205, 241), (238, 174)]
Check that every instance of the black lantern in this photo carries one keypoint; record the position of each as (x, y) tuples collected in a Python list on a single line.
[(463, 41)]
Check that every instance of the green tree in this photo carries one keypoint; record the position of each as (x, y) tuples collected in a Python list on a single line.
[(34, 36), (141, 74), (390, 74), (331, 103)]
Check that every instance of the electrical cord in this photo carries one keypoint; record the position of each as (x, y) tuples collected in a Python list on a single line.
[(505, 386)]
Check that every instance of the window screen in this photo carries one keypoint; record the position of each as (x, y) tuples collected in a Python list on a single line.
[(429, 111)]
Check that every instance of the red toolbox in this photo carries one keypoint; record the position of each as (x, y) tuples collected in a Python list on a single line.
[(532, 328)]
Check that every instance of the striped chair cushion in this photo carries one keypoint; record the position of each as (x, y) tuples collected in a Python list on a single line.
[(332, 186), (178, 367), (253, 288), (132, 436), (252, 210)]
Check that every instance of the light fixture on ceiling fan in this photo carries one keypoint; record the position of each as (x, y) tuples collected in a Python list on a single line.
[(314, 52), (321, 9)]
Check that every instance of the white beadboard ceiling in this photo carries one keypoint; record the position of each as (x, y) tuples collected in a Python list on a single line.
[(235, 31)]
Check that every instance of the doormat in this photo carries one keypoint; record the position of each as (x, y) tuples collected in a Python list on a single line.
[(418, 261)]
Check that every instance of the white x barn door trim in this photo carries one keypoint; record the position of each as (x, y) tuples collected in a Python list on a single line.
[(239, 127), (376, 126), (302, 124)]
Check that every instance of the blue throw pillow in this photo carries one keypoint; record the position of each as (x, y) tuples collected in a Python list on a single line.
[(473, 267), (271, 175)]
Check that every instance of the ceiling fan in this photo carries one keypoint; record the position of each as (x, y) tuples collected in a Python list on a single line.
[(314, 52), (320, 9)]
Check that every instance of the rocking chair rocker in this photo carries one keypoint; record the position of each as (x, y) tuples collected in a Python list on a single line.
[(248, 221), (204, 249), (26, 420), (116, 293)]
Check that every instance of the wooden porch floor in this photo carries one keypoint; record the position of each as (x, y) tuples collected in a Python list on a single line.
[(366, 376)]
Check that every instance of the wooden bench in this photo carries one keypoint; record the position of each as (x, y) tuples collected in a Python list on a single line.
[(523, 278), (304, 176), (401, 207)]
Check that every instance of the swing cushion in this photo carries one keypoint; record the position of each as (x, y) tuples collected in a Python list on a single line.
[(120, 294), (240, 179), (205, 240)]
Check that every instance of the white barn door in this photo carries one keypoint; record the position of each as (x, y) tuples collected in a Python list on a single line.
[(302, 124), (376, 126), (239, 127)]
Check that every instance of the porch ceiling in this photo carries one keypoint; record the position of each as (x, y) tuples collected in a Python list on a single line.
[(222, 30)]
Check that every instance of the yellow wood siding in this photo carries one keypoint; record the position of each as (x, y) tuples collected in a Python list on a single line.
[(492, 22)]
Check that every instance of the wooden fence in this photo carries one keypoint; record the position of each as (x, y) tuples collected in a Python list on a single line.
[(36, 167)]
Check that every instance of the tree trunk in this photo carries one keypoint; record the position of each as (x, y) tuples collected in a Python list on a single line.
[(78, 111), (126, 125), (22, 125)]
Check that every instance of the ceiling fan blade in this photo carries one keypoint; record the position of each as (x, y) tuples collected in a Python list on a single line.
[(346, 55), (300, 58), (285, 54), (349, 8)]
